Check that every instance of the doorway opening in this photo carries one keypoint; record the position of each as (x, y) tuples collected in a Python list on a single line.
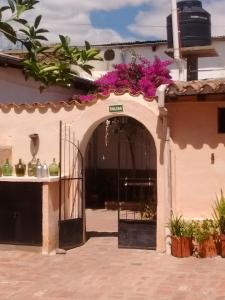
[(120, 183)]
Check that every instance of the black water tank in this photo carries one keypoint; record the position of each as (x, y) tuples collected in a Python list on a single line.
[(194, 24)]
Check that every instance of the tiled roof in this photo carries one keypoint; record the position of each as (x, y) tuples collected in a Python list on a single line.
[(56, 105), (197, 87), (177, 88)]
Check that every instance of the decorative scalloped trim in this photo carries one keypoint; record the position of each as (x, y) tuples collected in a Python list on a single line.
[(70, 103)]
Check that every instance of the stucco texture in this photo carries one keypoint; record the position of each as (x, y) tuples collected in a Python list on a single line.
[(196, 178)]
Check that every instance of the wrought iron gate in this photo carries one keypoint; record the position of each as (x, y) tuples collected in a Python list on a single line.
[(71, 190), (137, 205), (136, 223)]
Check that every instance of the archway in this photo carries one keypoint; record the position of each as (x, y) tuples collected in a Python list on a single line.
[(149, 115), (121, 183)]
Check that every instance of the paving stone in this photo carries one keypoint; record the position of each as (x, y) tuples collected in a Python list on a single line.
[(100, 271)]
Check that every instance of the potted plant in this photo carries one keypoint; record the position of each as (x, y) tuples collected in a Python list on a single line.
[(181, 236), (219, 217), (204, 233)]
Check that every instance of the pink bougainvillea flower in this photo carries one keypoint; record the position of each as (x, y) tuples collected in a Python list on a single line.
[(142, 77)]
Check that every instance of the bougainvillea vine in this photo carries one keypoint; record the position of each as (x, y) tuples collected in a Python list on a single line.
[(139, 76)]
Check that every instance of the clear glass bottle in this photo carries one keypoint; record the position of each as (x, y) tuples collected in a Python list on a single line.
[(44, 170), (32, 167), (38, 169), (20, 168), (7, 168), (54, 168)]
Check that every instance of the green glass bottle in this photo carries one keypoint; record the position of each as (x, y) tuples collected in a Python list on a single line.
[(54, 168), (32, 167), (7, 168), (20, 168), (0, 171)]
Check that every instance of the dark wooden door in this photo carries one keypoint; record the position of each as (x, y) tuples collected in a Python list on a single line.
[(21, 213)]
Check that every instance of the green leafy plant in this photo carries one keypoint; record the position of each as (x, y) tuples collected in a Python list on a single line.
[(15, 8), (219, 212), (148, 211), (187, 230), (66, 61), (175, 226), (202, 230), (179, 227)]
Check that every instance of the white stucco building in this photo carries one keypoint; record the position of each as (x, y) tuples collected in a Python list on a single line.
[(209, 67)]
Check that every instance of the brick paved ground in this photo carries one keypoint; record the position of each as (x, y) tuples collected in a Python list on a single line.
[(99, 270)]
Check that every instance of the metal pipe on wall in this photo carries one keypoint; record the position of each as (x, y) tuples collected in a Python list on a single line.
[(176, 40)]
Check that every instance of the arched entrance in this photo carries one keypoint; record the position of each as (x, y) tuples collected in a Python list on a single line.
[(148, 115), (121, 182)]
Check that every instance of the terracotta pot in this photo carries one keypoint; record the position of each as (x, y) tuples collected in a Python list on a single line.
[(222, 245), (181, 247), (207, 248)]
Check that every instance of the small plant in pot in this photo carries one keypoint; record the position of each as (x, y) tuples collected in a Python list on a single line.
[(205, 233), (219, 217), (181, 236)]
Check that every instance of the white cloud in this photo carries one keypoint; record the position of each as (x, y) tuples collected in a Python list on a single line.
[(72, 17), (152, 22), (61, 18), (217, 10), (160, 9)]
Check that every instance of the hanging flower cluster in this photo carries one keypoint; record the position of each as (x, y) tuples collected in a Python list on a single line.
[(142, 77)]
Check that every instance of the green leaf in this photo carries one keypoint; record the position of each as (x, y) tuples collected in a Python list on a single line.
[(21, 21), (49, 69), (12, 6), (41, 30), (89, 67), (25, 32), (87, 45), (57, 48), (19, 10), (42, 49), (86, 69), (41, 37), (8, 31), (84, 55), (62, 39), (37, 21), (32, 31), (3, 8)]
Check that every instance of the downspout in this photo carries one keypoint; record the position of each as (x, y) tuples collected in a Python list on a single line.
[(176, 40), (163, 113)]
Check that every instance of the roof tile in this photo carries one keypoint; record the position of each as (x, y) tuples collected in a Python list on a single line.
[(196, 87)]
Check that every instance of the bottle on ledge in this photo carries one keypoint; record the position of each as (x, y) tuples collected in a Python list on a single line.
[(20, 168), (7, 168)]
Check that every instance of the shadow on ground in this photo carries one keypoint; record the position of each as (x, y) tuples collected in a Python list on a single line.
[(93, 234)]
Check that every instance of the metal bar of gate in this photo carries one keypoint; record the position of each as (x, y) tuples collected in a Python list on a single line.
[(64, 171), (118, 175), (60, 169)]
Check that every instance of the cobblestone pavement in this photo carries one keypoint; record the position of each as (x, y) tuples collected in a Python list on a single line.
[(99, 270)]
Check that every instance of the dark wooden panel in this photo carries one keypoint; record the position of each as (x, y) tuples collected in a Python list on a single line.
[(70, 233), (21, 213), (138, 234)]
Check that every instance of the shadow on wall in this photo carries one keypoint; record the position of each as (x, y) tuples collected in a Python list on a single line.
[(194, 124)]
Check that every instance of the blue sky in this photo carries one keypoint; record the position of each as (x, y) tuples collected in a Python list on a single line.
[(118, 20), (111, 21)]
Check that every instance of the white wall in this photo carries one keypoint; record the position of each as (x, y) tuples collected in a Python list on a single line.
[(15, 89), (211, 67)]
